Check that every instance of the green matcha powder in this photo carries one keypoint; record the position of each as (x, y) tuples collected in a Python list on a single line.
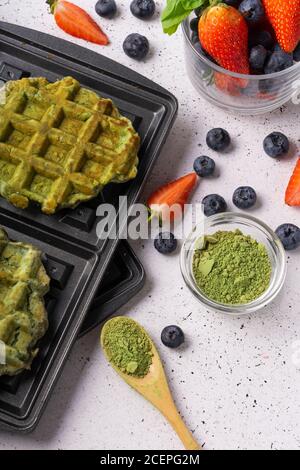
[(127, 346), (231, 268)]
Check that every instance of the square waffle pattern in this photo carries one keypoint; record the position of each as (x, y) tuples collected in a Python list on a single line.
[(60, 144), (23, 317)]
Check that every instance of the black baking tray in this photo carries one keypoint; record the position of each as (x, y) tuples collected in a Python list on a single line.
[(124, 278), (75, 258)]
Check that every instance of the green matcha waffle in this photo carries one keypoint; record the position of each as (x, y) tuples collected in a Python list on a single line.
[(60, 144), (23, 317)]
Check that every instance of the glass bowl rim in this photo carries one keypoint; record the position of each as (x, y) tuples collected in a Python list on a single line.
[(217, 68), (268, 296)]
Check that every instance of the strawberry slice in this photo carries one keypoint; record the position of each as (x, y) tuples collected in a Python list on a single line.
[(292, 195), (169, 200), (76, 22)]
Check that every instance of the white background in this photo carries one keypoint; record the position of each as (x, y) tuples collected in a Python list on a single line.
[(235, 381)]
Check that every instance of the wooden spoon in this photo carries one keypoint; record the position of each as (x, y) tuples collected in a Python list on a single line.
[(154, 387)]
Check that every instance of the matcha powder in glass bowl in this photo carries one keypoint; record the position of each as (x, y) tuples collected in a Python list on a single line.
[(127, 346), (232, 268)]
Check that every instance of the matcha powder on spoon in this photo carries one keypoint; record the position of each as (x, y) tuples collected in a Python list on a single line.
[(232, 268), (127, 346)]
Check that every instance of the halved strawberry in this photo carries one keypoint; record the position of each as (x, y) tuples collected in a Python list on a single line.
[(292, 195), (77, 22), (164, 200)]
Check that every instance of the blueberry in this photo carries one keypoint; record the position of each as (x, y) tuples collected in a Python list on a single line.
[(289, 235), (257, 59), (296, 55), (268, 85), (276, 144), (244, 197), (251, 89), (252, 10), (194, 24), (204, 69), (172, 336), (106, 8), (199, 48), (204, 166), (277, 48), (278, 61), (261, 38), (142, 8), (195, 38), (218, 139), (198, 11), (271, 86), (136, 46), (165, 243), (232, 3), (214, 204)]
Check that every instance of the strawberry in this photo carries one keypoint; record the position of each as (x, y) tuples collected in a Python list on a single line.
[(229, 85), (76, 22), (171, 194), (292, 195), (284, 16), (223, 33)]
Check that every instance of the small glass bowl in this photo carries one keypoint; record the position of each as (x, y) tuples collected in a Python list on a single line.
[(245, 94), (230, 221)]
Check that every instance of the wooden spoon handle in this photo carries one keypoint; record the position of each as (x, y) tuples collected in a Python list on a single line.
[(182, 431)]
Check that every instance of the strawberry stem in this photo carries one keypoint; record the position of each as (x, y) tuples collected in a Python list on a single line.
[(53, 5), (154, 214)]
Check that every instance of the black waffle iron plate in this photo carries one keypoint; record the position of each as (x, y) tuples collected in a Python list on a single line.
[(75, 258), (124, 278)]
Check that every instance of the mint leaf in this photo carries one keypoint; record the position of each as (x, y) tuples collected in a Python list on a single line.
[(176, 11)]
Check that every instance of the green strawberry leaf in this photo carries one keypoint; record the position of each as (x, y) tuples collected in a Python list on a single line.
[(176, 11), (52, 4)]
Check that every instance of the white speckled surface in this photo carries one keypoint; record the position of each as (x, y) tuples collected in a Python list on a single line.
[(236, 382)]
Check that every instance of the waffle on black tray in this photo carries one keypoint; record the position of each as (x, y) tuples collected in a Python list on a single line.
[(23, 317), (60, 144)]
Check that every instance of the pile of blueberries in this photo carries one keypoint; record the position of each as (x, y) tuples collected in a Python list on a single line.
[(275, 145), (265, 56), (135, 45)]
